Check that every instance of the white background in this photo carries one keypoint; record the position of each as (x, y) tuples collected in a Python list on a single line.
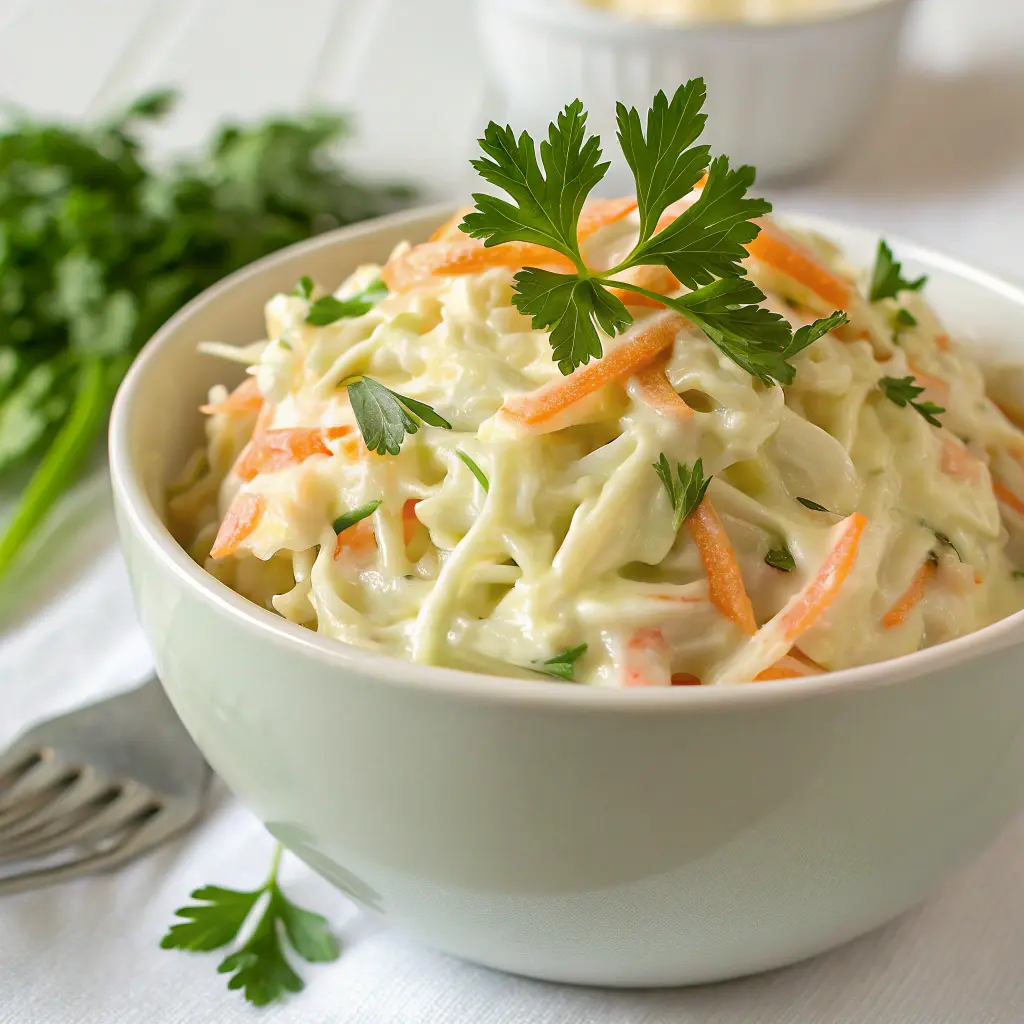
[(943, 164)]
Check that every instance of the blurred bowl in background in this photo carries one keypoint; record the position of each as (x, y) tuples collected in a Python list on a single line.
[(786, 95)]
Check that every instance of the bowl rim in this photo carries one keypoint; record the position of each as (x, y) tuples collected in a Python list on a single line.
[(135, 506), (575, 16)]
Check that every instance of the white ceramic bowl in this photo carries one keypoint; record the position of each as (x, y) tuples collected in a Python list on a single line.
[(785, 97), (618, 837)]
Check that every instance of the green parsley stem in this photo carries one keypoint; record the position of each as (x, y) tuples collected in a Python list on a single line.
[(275, 864), (627, 286)]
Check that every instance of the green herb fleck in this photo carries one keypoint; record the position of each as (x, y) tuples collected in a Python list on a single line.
[(259, 967), (384, 417), (304, 289), (814, 506), (686, 491), (474, 469), (1017, 574), (355, 515), (781, 558), (903, 391), (328, 309), (887, 280), (563, 665)]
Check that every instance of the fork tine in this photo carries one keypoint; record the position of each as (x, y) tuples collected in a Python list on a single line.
[(84, 786), (99, 823), (26, 774)]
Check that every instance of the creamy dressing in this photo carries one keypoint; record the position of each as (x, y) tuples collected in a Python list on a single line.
[(574, 541), (757, 11)]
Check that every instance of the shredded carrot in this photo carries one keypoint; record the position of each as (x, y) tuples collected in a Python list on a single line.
[(819, 594), (270, 450), (795, 665), (943, 342), (655, 278), (657, 391), (685, 679), (410, 523), (450, 228), (788, 256), (938, 387), (359, 537), (599, 213), (725, 581), (645, 651), (956, 461), (244, 515), (246, 398), (911, 597), (1007, 497), (636, 350)]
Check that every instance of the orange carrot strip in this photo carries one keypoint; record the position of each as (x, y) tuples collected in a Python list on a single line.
[(1007, 497), (819, 594), (599, 213), (450, 228), (657, 391), (244, 515), (276, 449), (685, 679), (938, 387), (911, 597), (654, 278), (790, 257), (725, 581), (646, 648), (956, 461), (247, 397), (943, 342), (636, 350), (359, 537), (410, 523), (465, 255)]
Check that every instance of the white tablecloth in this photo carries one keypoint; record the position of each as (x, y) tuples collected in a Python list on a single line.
[(944, 165)]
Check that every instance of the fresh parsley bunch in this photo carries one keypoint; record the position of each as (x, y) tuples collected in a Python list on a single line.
[(703, 247), (98, 248)]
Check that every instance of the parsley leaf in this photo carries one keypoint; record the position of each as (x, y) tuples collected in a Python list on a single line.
[(781, 559), (304, 288), (563, 665), (810, 333), (474, 469), (686, 492), (707, 239), (328, 309), (548, 201), (572, 308), (887, 279), (259, 966), (814, 506), (904, 318), (384, 417), (903, 391), (1017, 574), (355, 515), (662, 162)]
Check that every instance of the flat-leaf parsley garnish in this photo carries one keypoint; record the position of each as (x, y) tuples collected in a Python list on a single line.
[(686, 490), (703, 246), (328, 309), (781, 559), (814, 506), (474, 469), (887, 279), (563, 665), (903, 391), (259, 967), (384, 417)]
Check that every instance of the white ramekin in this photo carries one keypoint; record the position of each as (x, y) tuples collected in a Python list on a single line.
[(786, 97)]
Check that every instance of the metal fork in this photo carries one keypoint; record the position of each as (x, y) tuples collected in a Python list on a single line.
[(93, 788)]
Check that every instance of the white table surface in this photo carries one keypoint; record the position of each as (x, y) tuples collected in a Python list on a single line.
[(944, 165)]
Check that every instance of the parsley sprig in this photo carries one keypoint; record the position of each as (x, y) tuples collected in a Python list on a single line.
[(686, 491), (563, 664), (259, 967), (903, 391), (703, 247), (384, 416), (887, 279), (328, 309)]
